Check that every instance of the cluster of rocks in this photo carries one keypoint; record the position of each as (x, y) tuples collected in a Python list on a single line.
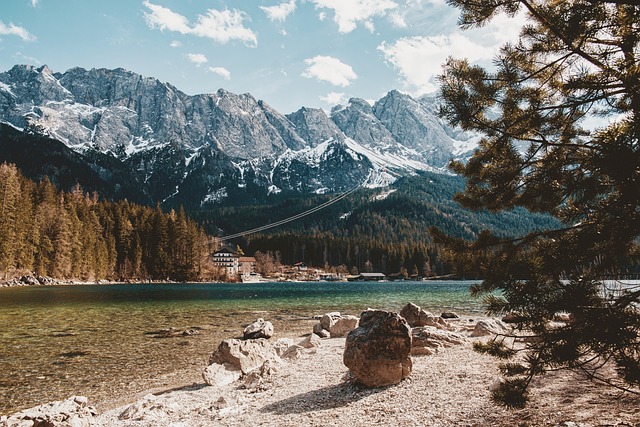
[(30, 280), (335, 325), (378, 345), (378, 350), (254, 359), (73, 412)]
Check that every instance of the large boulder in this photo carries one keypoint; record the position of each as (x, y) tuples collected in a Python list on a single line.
[(378, 351), (415, 316), (73, 412), (244, 355), (258, 329), (343, 326)]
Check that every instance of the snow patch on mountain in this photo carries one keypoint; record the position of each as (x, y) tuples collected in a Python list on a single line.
[(215, 196), (6, 88), (167, 137)]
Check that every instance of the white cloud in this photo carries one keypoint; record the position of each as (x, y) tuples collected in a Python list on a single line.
[(500, 30), (220, 26), (165, 19), (221, 71), (223, 26), (369, 26), (280, 11), (34, 3), (334, 98), (197, 58), (14, 30), (397, 20), (29, 59), (175, 43), (322, 16), (329, 69), (419, 59), (347, 14)]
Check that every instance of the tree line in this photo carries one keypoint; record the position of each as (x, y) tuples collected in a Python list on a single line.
[(74, 235), (353, 254)]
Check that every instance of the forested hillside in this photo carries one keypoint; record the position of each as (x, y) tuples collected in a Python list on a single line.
[(383, 229), (73, 235)]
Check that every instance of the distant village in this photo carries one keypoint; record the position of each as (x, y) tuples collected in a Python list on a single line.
[(231, 265)]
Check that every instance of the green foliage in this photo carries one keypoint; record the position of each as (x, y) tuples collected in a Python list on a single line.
[(573, 59), (494, 348), (511, 393), (75, 236)]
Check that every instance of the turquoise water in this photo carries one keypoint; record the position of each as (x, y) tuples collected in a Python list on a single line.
[(102, 341)]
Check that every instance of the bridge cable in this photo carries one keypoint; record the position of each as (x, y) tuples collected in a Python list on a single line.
[(292, 218)]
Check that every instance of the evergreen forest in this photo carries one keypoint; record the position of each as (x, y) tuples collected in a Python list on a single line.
[(74, 235)]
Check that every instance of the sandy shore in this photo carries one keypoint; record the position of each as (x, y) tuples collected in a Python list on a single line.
[(449, 388)]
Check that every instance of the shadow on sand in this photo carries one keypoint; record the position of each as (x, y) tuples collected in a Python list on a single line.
[(330, 397)]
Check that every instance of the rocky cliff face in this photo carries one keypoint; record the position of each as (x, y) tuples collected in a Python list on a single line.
[(207, 148)]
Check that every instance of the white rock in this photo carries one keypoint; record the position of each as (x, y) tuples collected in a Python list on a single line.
[(329, 319), (488, 327), (312, 341), (343, 326), (221, 374), (258, 329), (137, 409)]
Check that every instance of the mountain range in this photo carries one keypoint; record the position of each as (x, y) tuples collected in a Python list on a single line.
[(136, 137)]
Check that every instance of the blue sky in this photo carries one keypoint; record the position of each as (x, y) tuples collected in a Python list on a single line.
[(290, 53)]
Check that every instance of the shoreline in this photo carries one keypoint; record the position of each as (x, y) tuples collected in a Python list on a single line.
[(449, 387)]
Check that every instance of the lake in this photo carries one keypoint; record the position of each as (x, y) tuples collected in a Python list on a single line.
[(105, 341)]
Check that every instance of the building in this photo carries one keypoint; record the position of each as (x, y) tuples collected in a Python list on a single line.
[(301, 266), (228, 259), (367, 277), (246, 265)]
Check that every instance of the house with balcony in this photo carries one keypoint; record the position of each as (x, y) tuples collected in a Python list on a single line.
[(227, 259)]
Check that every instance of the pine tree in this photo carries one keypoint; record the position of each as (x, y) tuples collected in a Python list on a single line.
[(573, 59), (9, 205)]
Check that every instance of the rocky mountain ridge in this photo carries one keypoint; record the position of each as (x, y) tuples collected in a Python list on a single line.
[(202, 149)]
